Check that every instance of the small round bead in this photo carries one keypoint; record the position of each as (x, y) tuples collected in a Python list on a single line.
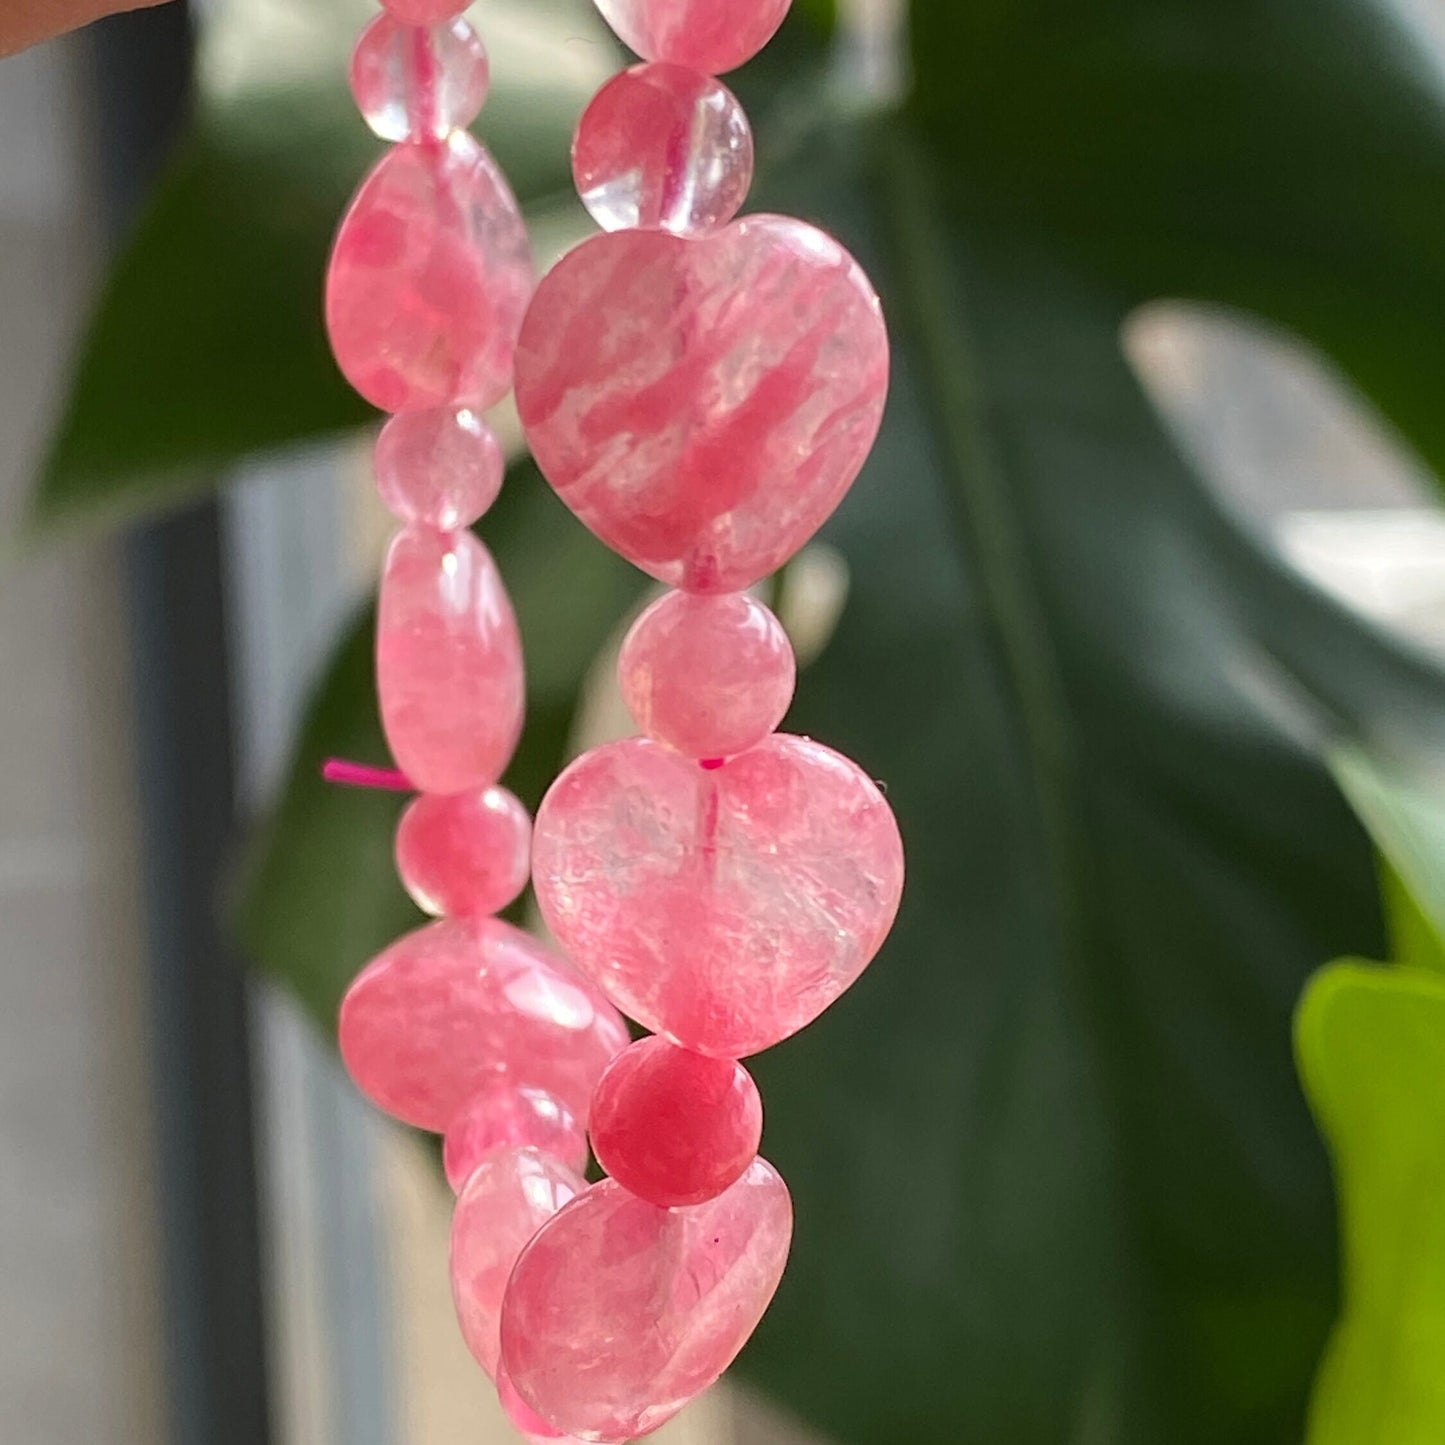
[(708, 676), (423, 12), (462, 854), (663, 148), (505, 1117), (414, 82), (707, 35), (674, 1127), (442, 466)]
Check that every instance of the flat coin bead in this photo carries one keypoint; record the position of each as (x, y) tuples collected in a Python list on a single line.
[(673, 1127), (419, 82), (663, 147), (506, 1116), (441, 466), (464, 853), (708, 676), (708, 35)]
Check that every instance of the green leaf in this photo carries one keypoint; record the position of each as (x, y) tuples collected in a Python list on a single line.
[(1371, 1042)]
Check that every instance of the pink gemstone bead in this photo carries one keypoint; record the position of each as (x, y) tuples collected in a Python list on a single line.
[(468, 1003), (703, 405), (709, 676), (618, 1313), (704, 34), (418, 82), (461, 853), (423, 12), (442, 467), (429, 278), (725, 908), (674, 1127), (506, 1200), (448, 661), (503, 1116), (530, 1425), (661, 146)]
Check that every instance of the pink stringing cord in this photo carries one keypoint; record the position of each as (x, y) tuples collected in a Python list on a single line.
[(361, 775)]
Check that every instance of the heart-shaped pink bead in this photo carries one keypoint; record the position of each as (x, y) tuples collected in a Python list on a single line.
[(725, 908), (467, 1003), (703, 405), (618, 1313)]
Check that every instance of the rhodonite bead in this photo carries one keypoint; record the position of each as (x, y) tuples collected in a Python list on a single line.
[(506, 1116), (506, 1200), (418, 82), (460, 853), (448, 661), (442, 467), (724, 908), (663, 146), (429, 277), (674, 1127), (619, 1313), (704, 34), (704, 404), (709, 676), (461, 1005)]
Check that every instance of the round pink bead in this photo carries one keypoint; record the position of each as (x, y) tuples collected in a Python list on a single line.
[(709, 676), (663, 147), (429, 278), (461, 853), (724, 908), (674, 1127), (442, 467), (501, 1117), (706, 35), (618, 1313), (419, 82), (506, 1200), (448, 661), (460, 1006), (423, 12)]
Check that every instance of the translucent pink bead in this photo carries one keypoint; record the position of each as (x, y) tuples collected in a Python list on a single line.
[(709, 676), (506, 1200), (460, 853), (674, 1127), (618, 1313), (707, 35), (503, 1116), (418, 82), (724, 908), (468, 1003), (448, 661), (530, 1425), (703, 405), (662, 146), (429, 277), (442, 467), (423, 12)]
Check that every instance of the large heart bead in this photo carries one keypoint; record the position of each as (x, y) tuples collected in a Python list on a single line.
[(429, 277), (467, 1003), (725, 908), (619, 1313), (703, 405)]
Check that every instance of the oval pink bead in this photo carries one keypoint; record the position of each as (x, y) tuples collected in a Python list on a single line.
[(461, 853), (448, 661), (442, 467), (709, 676), (423, 12), (724, 908), (429, 278), (663, 147), (503, 1116), (703, 405), (705, 34), (506, 1200), (419, 82), (461, 1005), (674, 1127), (618, 1313)]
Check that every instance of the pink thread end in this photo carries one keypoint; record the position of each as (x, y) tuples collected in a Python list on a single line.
[(360, 775)]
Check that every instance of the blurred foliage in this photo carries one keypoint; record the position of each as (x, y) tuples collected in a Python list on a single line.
[(1054, 1176)]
